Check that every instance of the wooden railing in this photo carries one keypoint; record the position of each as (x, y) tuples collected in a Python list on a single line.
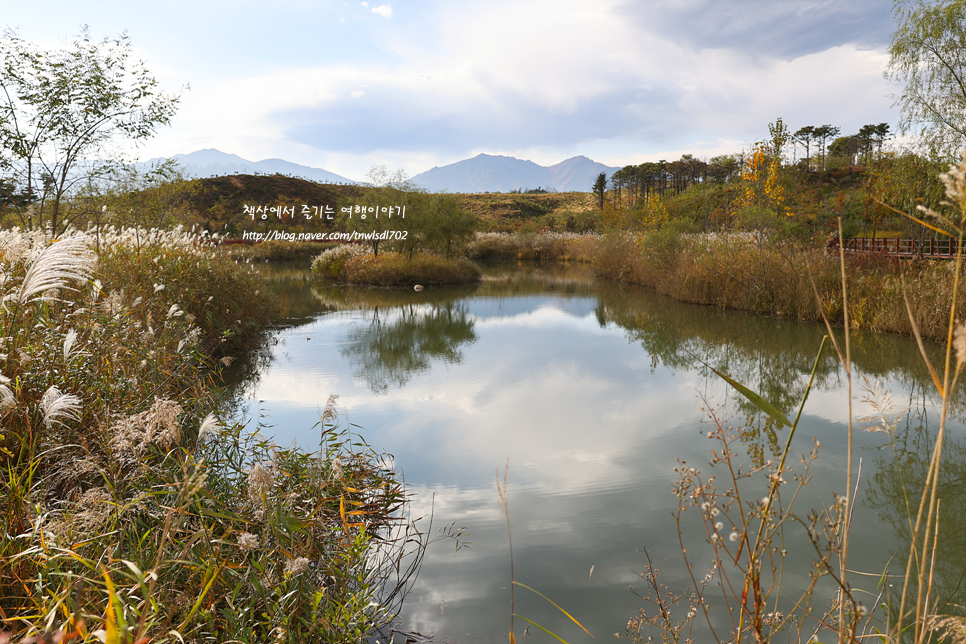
[(941, 248)]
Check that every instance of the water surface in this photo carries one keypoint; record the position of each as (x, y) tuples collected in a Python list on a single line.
[(591, 392)]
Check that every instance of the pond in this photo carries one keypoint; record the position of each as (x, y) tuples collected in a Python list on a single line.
[(590, 392)]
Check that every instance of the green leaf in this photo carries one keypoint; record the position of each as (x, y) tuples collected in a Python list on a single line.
[(758, 401)]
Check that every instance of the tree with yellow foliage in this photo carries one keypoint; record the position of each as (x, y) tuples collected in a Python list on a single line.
[(654, 214), (760, 188)]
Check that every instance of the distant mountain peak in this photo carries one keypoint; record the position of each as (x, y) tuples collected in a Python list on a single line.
[(500, 173), (482, 173)]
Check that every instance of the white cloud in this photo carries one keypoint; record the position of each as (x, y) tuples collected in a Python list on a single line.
[(565, 77)]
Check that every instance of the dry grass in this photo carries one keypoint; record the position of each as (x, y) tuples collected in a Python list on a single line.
[(771, 278)]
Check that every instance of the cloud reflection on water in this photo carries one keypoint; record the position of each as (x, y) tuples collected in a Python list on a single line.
[(592, 398)]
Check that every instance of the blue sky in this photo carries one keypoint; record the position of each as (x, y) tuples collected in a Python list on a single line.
[(413, 84)]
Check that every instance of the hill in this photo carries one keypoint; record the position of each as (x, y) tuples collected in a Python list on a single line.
[(507, 212), (219, 204), (227, 203)]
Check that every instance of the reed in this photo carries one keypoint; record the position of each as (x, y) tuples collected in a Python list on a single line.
[(770, 277)]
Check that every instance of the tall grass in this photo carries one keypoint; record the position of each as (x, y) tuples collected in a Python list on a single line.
[(130, 510), (772, 278)]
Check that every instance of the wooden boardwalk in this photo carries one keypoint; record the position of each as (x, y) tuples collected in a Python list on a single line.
[(908, 248)]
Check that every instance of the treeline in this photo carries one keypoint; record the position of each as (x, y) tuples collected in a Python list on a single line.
[(634, 183), (792, 183), (820, 144)]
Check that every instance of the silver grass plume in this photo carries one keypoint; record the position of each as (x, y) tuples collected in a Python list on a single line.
[(64, 261), (208, 424), (70, 350), (6, 394), (7, 401), (58, 406)]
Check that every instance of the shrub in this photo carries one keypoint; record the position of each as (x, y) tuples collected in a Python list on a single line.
[(393, 269), (331, 263)]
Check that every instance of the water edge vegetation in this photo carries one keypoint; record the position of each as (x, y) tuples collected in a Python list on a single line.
[(132, 509)]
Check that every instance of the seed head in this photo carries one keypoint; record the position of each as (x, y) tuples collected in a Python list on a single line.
[(260, 480), (959, 343), (247, 541), (295, 567), (58, 407), (336, 468)]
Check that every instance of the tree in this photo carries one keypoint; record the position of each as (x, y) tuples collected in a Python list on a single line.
[(722, 168), (384, 206), (905, 182), (600, 187), (436, 222), (155, 196), (780, 136), (760, 190), (822, 134), (61, 109), (880, 133), (804, 136), (9, 197), (846, 147), (928, 51)]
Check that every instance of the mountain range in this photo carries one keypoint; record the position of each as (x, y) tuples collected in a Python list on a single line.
[(215, 163), (490, 173), (482, 173)]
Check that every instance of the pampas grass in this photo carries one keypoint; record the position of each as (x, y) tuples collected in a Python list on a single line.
[(64, 262), (124, 498), (58, 407)]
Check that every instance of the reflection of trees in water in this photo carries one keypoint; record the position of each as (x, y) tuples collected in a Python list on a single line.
[(397, 344), (772, 357), (243, 375), (292, 284), (895, 493), (775, 357)]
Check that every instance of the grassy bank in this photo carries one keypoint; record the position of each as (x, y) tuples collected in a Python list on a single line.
[(357, 265), (546, 246), (130, 510), (772, 278), (277, 251)]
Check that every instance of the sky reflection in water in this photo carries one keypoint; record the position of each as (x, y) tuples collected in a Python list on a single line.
[(589, 392)]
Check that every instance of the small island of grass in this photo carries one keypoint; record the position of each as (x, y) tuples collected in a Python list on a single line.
[(359, 265)]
